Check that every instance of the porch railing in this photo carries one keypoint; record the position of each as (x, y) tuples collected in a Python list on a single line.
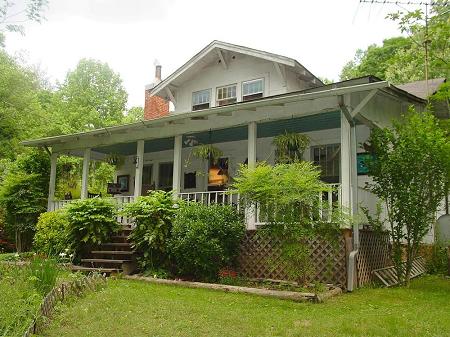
[(328, 200)]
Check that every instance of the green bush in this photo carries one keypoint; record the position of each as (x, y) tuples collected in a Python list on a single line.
[(91, 222), (43, 274), (437, 263), (51, 233), (153, 216), (205, 239)]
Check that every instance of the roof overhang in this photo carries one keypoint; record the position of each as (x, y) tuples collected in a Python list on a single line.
[(263, 110)]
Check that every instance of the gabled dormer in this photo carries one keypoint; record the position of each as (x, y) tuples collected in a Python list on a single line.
[(222, 74)]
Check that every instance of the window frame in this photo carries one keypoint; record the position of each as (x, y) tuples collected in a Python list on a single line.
[(262, 79), (202, 105), (228, 98)]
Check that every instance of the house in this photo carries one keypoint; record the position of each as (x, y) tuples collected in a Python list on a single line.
[(237, 99)]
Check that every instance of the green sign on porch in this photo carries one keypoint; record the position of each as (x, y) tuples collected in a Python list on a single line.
[(361, 159)]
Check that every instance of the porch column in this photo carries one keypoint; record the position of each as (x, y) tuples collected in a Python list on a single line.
[(252, 136), (85, 175), (176, 179), (349, 178), (52, 183), (250, 212), (139, 168)]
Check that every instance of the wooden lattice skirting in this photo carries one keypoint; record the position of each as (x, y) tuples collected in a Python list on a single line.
[(76, 287), (260, 258)]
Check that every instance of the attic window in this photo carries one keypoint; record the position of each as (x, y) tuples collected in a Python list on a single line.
[(226, 95), (252, 89), (201, 99)]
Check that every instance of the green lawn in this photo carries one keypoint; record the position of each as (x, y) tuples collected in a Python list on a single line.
[(134, 308)]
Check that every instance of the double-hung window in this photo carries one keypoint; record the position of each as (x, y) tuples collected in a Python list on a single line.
[(252, 89), (201, 99), (226, 95), (327, 157)]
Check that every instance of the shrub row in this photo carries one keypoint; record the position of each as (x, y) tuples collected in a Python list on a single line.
[(189, 240)]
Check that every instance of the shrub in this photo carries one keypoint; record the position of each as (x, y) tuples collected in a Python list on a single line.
[(51, 233), (91, 222), (205, 239), (287, 197), (43, 274), (153, 216)]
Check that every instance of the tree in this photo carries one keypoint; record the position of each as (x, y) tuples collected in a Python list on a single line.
[(375, 60), (92, 96), (23, 195), (410, 169), (134, 114), (21, 113), (402, 59), (12, 15)]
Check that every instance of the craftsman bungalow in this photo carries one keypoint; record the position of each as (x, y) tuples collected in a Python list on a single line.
[(237, 99)]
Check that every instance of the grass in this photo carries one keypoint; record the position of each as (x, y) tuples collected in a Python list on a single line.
[(20, 298), (135, 308)]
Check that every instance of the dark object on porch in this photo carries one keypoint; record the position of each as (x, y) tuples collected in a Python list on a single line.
[(124, 182), (113, 188), (68, 196), (388, 275), (94, 195)]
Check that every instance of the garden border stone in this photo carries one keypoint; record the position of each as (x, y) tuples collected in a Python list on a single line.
[(280, 294)]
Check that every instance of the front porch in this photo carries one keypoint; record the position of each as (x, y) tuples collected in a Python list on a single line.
[(157, 154)]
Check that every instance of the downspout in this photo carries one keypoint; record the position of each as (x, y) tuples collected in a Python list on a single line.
[(351, 266)]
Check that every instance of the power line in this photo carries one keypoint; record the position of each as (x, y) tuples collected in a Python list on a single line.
[(387, 2)]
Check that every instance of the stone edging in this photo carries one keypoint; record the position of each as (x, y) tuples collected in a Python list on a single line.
[(280, 294)]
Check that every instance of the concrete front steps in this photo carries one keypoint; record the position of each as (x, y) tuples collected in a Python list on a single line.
[(111, 257)]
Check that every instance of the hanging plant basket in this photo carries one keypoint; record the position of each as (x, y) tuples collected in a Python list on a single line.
[(115, 160), (207, 152), (290, 147)]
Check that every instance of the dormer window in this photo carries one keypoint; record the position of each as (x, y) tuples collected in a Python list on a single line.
[(226, 95), (252, 89), (201, 99)]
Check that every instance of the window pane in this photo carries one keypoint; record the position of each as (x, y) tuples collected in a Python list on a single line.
[(252, 87), (200, 97)]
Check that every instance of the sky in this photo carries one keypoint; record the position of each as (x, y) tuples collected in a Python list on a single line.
[(131, 34)]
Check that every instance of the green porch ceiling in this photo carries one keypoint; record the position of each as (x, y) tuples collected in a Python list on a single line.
[(323, 121)]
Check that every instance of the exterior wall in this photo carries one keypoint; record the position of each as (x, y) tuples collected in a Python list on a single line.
[(240, 69)]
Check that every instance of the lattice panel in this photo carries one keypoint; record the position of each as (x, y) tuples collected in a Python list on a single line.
[(260, 258), (374, 253)]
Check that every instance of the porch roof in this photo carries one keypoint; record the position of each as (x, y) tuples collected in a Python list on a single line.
[(269, 109)]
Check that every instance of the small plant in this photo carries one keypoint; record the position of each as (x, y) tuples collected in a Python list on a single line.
[(51, 237), (153, 216), (205, 239), (91, 222), (43, 274)]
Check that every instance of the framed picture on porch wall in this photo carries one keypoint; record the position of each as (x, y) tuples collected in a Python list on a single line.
[(124, 182)]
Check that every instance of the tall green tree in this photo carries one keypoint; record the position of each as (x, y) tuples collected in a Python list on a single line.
[(92, 96), (402, 59), (410, 173), (21, 113)]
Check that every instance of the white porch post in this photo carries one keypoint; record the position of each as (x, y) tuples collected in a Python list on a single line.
[(345, 163), (176, 179), (85, 175), (139, 168), (251, 160), (52, 183), (349, 176)]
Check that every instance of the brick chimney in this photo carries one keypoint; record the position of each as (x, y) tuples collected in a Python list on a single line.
[(155, 106)]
